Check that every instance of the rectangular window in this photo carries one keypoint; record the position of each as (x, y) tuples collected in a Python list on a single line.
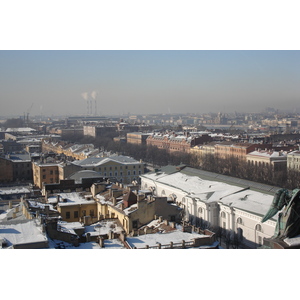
[(68, 215), (91, 212), (76, 214)]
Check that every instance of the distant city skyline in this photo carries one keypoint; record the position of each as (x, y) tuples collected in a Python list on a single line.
[(147, 82)]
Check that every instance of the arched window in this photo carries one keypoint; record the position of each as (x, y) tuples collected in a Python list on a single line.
[(239, 221), (200, 211), (258, 227), (223, 215), (163, 193)]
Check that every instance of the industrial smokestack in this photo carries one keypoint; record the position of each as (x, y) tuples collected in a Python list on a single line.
[(85, 97), (94, 95)]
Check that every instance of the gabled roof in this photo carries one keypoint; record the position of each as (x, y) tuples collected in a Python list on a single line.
[(97, 161)]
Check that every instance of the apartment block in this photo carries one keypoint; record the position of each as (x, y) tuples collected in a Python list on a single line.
[(45, 174), (293, 160), (277, 160), (237, 150), (176, 143), (137, 138)]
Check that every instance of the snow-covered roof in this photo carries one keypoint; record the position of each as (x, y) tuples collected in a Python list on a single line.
[(97, 161), (40, 205), (69, 227), (103, 227), (21, 233), (296, 152), (77, 176), (176, 236), (21, 129), (14, 190), (269, 154), (213, 191), (72, 198)]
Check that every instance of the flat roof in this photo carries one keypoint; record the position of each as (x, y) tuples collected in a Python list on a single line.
[(73, 198), (23, 232)]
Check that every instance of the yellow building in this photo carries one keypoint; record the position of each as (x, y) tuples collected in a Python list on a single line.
[(134, 209), (277, 161), (45, 173), (137, 138), (201, 151), (75, 207)]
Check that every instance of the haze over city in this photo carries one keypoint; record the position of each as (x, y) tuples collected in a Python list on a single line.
[(147, 82)]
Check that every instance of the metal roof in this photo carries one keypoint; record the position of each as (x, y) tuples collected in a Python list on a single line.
[(256, 186)]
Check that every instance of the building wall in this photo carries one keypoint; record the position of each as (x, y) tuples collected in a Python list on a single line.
[(253, 231), (124, 173), (76, 213), (176, 144), (238, 150), (44, 173), (136, 138), (6, 170), (144, 214), (216, 214), (293, 161), (22, 170)]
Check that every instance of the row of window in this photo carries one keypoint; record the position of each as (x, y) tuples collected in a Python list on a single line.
[(116, 168), (239, 220), (76, 214), (116, 173), (51, 172)]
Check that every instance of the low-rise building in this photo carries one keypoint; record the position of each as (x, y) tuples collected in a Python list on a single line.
[(134, 208), (122, 168), (75, 206), (44, 173), (217, 204), (276, 160)]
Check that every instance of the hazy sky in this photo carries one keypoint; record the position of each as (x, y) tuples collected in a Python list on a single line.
[(148, 81)]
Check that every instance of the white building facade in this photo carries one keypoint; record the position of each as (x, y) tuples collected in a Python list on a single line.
[(231, 207)]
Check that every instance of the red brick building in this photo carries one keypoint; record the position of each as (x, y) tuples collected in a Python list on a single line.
[(173, 143)]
